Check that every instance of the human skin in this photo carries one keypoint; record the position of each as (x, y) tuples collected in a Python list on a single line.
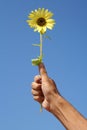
[(45, 92)]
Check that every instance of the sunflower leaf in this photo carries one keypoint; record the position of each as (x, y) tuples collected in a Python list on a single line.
[(47, 37), (36, 44), (36, 61)]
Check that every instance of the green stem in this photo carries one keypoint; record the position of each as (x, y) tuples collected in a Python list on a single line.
[(41, 45), (41, 107), (41, 53)]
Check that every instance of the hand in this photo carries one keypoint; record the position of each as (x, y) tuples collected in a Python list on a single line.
[(44, 89)]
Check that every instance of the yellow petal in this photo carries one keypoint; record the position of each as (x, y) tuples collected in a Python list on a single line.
[(38, 14)]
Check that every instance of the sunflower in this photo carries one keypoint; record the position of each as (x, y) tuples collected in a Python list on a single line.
[(41, 20)]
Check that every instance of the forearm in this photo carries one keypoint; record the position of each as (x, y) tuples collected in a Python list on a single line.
[(67, 114)]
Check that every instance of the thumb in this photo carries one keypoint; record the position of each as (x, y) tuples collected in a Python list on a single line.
[(43, 71)]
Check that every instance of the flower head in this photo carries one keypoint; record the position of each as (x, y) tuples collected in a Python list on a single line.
[(40, 20)]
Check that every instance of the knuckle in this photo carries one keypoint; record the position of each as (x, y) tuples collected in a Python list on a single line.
[(32, 91), (37, 77), (32, 84), (36, 86), (36, 98)]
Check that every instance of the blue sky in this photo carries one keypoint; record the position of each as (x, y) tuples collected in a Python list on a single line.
[(65, 57)]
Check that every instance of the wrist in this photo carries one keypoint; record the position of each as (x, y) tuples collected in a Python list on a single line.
[(55, 102)]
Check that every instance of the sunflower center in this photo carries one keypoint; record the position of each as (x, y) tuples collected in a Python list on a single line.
[(41, 21)]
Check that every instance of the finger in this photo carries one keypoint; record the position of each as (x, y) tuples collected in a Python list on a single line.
[(43, 71), (38, 98), (36, 93), (37, 78), (36, 86)]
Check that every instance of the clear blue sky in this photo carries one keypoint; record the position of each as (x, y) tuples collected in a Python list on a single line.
[(65, 57)]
